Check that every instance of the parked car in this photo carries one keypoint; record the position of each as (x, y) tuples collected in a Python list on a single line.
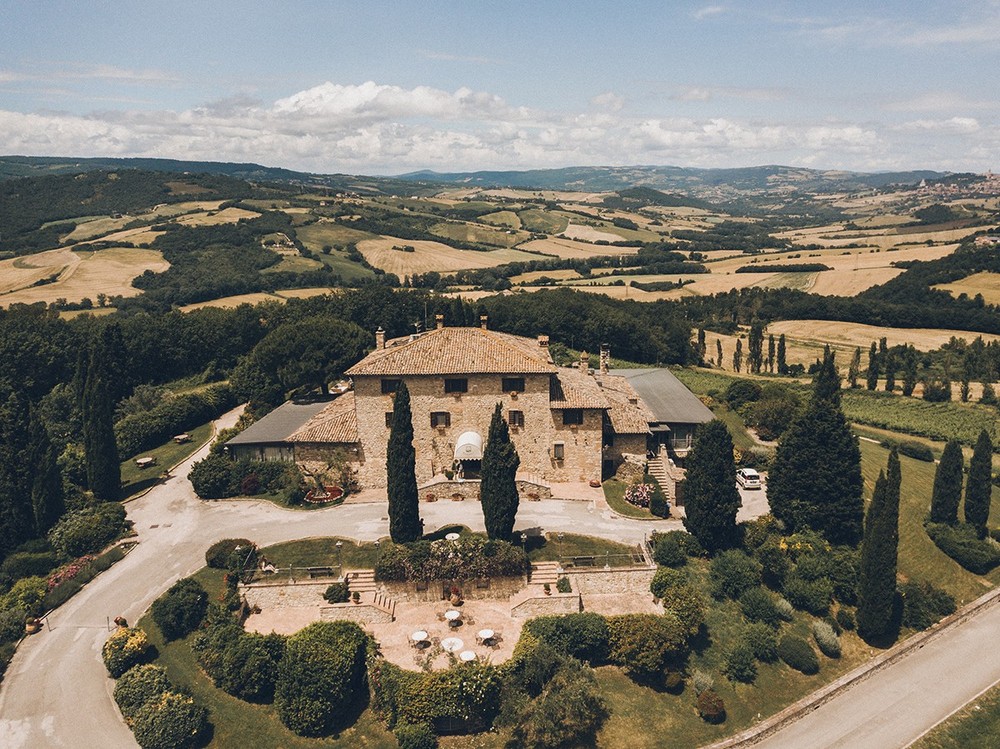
[(748, 478)]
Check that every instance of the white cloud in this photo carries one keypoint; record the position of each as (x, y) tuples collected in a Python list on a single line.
[(378, 128), (708, 11), (708, 93), (85, 71)]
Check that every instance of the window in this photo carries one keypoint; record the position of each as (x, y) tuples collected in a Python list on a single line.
[(390, 386), (572, 416), (513, 384), (559, 450), (515, 418), (456, 385), (440, 419), (388, 418)]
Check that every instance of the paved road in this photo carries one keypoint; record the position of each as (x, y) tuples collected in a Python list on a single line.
[(896, 706), (57, 693)]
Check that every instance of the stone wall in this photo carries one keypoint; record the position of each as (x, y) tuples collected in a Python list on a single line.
[(600, 582), (631, 469), (500, 588), (543, 605), (471, 411), (362, 613), (440, 488), (278, 595)]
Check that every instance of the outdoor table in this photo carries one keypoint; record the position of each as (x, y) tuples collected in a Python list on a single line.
[(485, 634), (451, 537), (451, 644), (419, 636), (467, 655), (452, 616)]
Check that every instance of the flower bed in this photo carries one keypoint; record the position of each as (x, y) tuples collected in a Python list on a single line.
[(69, 571), (325, 496), (639, 495)]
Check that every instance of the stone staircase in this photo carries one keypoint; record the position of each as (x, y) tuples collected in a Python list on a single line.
[(362, 581), (544, 572)]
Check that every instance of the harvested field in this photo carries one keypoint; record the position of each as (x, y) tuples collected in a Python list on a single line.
[(987, 284), (559, 275), (568, 249), (69, 314), (231, 302), (78, 274), (589, 234), (225, 216), (105, 225), (841, 283), (305, 293), (850, 335), (139, 236), (431, 256), (479, 234)]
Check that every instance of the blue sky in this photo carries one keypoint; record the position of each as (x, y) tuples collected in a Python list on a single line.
[(379, 87)]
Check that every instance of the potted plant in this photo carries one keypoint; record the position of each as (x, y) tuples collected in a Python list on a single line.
[(547, 588), (456, 596), (356, 597)]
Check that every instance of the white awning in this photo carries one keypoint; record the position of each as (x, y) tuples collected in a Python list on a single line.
[(469, 446)]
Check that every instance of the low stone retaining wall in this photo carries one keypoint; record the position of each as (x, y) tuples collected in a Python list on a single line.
[(277, 595), (362, 613), (500, 588), (632, 581), (442, 490), (547, 605)]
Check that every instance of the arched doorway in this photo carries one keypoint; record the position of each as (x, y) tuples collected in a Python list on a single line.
[(468, 455)]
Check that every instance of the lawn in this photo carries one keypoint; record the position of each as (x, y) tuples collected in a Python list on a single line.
[(614, 492), (135, 479), (322, 552), (574, 545), (976, 726)]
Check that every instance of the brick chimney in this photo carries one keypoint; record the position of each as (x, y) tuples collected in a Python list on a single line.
[(483, 320), (584, 362), (605, 357), (379, 338), (543, 341), (439, 321)]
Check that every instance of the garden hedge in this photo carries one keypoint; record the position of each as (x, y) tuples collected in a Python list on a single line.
[(179, 611), (139, 685), (125, 648), (798, 654), (149, 429)]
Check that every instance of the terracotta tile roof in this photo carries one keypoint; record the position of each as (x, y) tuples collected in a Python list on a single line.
[(338, 422), (626, 417), (447, 351), (571, 388)]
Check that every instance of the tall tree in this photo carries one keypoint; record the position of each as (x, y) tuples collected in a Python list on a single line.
[(782, 361), (947, 489), (47, 502), (701, 346), (498, 488), (97, 407), (872, 375), (909, 370), (401, 478), (879, 552), (815, 480), (770, 353), (964, 391), (890, 372), (718, 352), (755, 348), (854, 369), (738, 355), (16, 519), (977, 485), (710, 496)]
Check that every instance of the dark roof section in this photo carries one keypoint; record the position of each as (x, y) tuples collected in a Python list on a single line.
[(280, 424), (666, 396)]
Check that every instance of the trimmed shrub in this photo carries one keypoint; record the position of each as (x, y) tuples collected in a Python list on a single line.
[(741, 664), (758, 531), (642, 644), (25, 596), (798, 654), (468, 558), (11, 625), (219, 554), (916, 450), (173, 721), (665, 578), (845, 618), (813, 596), (826, 639), (210, 644), (773, 562), (27, 564), (710, 706), (139, 685), (88, 529), (762, 641), (583, 636), (658, 504), (668, 552), (125, 648), (962, 543), (685, 601), (337, 593), (785, 610), (924, 604), (151, 428), (415, 736), (212, 476), (732, 573), (568, 713), (250, 666), (320, 676), (563, 585), (688, 543), (758, 606), (179, 611)]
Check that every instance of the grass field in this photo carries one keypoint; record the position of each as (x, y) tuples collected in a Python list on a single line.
[(987, 284), (502, 218), (546, 222), (614, 493), (135, 479), (976, 726), (589, 233), (431, 256), (569, 249), (325, 232), (77, 274), (479, 234), (294, 264)]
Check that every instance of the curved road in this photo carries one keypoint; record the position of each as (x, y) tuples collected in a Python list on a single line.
[(57, 692)]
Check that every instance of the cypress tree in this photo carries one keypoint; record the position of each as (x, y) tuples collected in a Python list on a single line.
[(890, 372), (854, 369), (879, 550), (947, 485), (977, 486), (770, 353), (498, 489), (872, 376), (16, 522), (755, 348), (718, 352), (909, 371), (738, 355), (815, 479), (782, 362), (710, 496), (97, 407), (46, 487), (401, 478)]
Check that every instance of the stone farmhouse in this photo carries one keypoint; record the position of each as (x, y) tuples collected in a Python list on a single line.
[(568, 424)]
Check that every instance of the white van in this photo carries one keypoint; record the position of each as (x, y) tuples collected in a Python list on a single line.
[(748, 478)]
